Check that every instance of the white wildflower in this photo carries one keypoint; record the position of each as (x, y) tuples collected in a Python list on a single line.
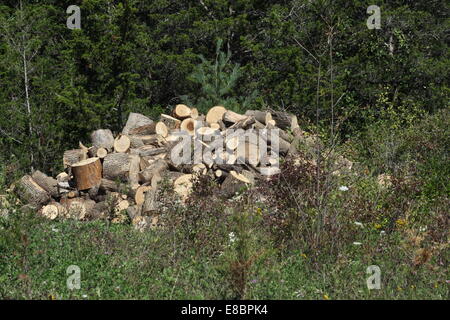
[(359, 224), (357, 243), (232, 237), (343, 188)]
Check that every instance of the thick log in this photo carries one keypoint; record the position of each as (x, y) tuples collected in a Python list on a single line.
[(233, 117), (47, 183), (122, 144), (284, 120), (182, 111), (73, 156), (87, 173), (103, 138), (53, 211), (188, 125), (215, 114), (153, 128), (97, 152), (116, 166), (156, 167), (31, 192), (260, 116), (135, 120)]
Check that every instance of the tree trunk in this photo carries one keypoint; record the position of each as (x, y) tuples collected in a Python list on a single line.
[(103, 138), (116, 166), (87, 173), (47, 183), (135, 120), (31, 192)]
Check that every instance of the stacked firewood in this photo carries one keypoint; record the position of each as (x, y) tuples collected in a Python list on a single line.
[(130, 167)]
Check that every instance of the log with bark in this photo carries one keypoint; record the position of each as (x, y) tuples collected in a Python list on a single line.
[(31, 192), (135, 120), (49, 184), (87, 173), (103, 138), (116, 166)]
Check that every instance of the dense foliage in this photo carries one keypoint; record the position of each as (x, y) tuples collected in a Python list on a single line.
[(317, 59)]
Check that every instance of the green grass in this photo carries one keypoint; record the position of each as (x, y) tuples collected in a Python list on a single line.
[(117, 262)]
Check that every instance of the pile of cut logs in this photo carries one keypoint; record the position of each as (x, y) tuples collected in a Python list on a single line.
[(130, 166)]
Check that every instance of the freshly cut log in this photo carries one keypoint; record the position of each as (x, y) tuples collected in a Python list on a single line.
[(207, 131), (77, 208), (183, 186), (62, 177), (87, 173), (233, 117), (122, 144), (50, 211), (133, 175), (31, 192), (260, 116), (53, 211), (139, 197), (170, 122), (73, 156), (153, 128), (182, 111), (97, 152), (116, 166), (215, 114), (122, 205), (188, 125), (102, 153), (194, 113), (135, 120), (156, 167), (47, 183), (243, 124), (103, 138)]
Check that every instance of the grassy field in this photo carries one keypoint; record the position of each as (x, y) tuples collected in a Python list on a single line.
[(296, 244)]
